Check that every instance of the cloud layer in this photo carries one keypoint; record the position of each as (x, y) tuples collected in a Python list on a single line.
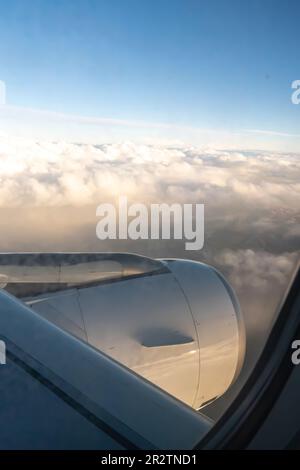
[(252, 199), (61, 174)]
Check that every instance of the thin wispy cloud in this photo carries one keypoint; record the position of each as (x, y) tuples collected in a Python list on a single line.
[(44, 124), (272, 133)]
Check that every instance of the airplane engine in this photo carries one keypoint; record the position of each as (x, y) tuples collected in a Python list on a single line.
[(175, 322)]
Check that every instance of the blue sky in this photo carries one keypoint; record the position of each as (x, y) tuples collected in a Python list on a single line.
[(202, 63)]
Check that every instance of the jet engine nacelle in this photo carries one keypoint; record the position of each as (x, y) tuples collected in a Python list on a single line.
[(175, 322)]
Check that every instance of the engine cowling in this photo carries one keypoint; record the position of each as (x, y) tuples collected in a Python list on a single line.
[(175, 322)]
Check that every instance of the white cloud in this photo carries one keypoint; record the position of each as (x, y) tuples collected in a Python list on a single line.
[(260, 270), (60, 174)]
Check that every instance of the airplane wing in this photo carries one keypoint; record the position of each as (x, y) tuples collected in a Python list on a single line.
[(58, 392)]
